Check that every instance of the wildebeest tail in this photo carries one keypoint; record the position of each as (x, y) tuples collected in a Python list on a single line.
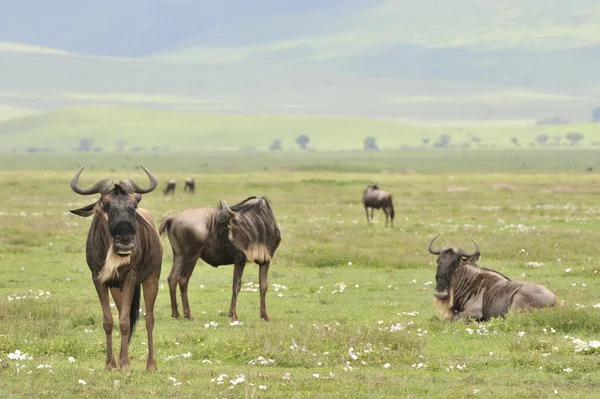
[(392, 212), (165, 225), (134, 313)]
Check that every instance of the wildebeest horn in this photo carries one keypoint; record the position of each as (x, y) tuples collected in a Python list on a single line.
[(229, 211), (100, 187), (137, 189), (430, 246), (476, 253)]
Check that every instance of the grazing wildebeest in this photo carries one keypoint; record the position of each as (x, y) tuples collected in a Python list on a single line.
[(464, 290), (123, 251), (246, 232), (375, 198), (170, 187), (189, 185)]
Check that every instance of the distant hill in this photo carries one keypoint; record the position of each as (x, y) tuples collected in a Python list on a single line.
[(429, 60), (109, 128)]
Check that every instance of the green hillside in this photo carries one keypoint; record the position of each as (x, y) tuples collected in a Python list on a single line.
[(470, 59), (62, 130)]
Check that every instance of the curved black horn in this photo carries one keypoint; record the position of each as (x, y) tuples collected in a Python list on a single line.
[(137, 189), (466, 255), (99, 187), (430, 246)]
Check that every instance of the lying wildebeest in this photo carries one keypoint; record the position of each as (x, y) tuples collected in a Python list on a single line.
[(189, 185), (170, 187), (123, 251), (375, 198), (246, 232), (464, 290)]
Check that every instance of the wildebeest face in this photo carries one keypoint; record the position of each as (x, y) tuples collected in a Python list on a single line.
[(226, 215), (119, 207), (447, 262), (117, 204)]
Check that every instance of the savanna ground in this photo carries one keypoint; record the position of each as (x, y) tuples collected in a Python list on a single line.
[(351, 305)]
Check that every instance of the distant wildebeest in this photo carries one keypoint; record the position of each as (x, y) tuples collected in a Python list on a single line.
[(466, 291), (170, 187), (189, 185), (123, 251), (246, 232), (375, 198)]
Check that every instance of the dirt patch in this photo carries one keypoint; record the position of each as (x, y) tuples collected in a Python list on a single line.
[(504, 186), (399, 171), (456, 189)]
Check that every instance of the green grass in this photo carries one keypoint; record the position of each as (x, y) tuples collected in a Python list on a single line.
[(61, 130), (545, 217)]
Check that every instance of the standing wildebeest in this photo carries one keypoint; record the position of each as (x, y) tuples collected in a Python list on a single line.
[(189, 184), (464, 290), (375, 198), (170, 187), (246, 232), (123, 251)]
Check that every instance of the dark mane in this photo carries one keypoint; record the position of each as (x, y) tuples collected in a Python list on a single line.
[(253, 203), (495, 271), (489, 270)]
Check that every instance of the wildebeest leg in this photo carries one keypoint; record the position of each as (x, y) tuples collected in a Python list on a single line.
[(263, 283), (124, 323), (386, 216), (150, 287), (184, 279), (238, 271), (372, 209), (102, 290), (173, 279), (367, 212), (117, 297)]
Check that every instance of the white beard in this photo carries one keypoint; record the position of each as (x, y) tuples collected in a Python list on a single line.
[(111, 265)]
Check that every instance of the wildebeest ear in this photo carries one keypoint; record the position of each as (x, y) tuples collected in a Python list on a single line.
[(471, 259), (138, 198), (223, 216), (85, 211)]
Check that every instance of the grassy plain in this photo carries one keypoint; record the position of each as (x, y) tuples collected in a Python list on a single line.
[(351, 305)]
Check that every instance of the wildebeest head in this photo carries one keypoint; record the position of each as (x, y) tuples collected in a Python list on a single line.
[(447, 262), (117, 204), (226, 215)]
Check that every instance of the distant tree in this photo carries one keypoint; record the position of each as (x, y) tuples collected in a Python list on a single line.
[(443, 141), (276, 145), (370, 143), (542, 139), (574, 137), (85, 144), (425, 141), (596, 114), (476, 139), (515, 141), (302, 140)]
